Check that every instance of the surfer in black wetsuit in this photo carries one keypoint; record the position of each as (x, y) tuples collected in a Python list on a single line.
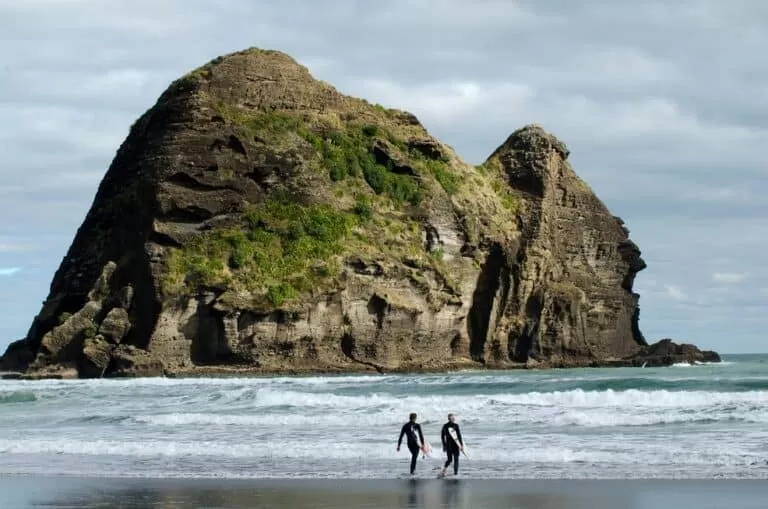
[(410, 429), (450, 446)]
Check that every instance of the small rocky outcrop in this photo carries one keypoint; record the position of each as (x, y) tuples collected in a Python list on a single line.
[(16, 358), (666, 352), (258, 220)]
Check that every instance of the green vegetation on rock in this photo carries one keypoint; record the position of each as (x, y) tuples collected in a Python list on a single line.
[(447, 180), (492, 168), (363, 208), (279, 130), (285, 249), (90, 331), (346, 151)]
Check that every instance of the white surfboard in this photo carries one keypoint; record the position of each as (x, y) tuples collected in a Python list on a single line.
[(452, 433), (426, 448)]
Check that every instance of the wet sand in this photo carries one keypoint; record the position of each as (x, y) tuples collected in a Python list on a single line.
[(24, 492)]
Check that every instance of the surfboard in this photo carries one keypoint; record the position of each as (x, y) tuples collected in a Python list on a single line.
[(426, 448), (452, 433)]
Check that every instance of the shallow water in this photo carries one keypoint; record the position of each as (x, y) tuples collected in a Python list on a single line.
[(677, 422)]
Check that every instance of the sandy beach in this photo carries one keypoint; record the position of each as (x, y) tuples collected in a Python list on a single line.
[(26, 492)]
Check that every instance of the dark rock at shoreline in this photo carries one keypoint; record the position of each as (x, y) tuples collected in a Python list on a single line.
[(16, 357), (666, 352)]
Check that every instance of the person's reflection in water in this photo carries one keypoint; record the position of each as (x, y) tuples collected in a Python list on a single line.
[(451, 492), (413, 493)]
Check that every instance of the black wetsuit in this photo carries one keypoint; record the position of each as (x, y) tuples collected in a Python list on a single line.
[(450, 447), (410, 429)]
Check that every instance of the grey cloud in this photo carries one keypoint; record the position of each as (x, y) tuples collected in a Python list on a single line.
[(663, 105), (729, 277), (90, 89)]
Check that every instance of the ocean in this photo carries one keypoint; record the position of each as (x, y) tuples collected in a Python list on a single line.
[(679, 422)]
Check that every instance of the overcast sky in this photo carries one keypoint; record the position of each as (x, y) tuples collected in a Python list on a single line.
[(664, 106)]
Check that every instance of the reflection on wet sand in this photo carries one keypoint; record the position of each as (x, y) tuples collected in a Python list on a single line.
[(350, 494), (90, 493), (458, 494), (431, 494)]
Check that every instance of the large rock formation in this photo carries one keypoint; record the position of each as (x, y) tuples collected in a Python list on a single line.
[(256, 219)]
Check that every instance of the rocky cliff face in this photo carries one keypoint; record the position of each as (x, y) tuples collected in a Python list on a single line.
[(256, 219), (569, 285)]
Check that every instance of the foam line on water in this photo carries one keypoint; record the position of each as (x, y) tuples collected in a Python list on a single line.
[(320, 449), (289, 472), (268, 397), (390, 417)]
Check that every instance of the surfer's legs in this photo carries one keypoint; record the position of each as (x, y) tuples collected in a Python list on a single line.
[(414, 457), (453, 457)]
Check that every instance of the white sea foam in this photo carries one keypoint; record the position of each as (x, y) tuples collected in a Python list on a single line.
[(711, 364), (329, 449), (392, 415), (268, 397)]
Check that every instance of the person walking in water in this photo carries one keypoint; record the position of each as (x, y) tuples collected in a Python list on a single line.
[(451, 446), (414, 439)]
